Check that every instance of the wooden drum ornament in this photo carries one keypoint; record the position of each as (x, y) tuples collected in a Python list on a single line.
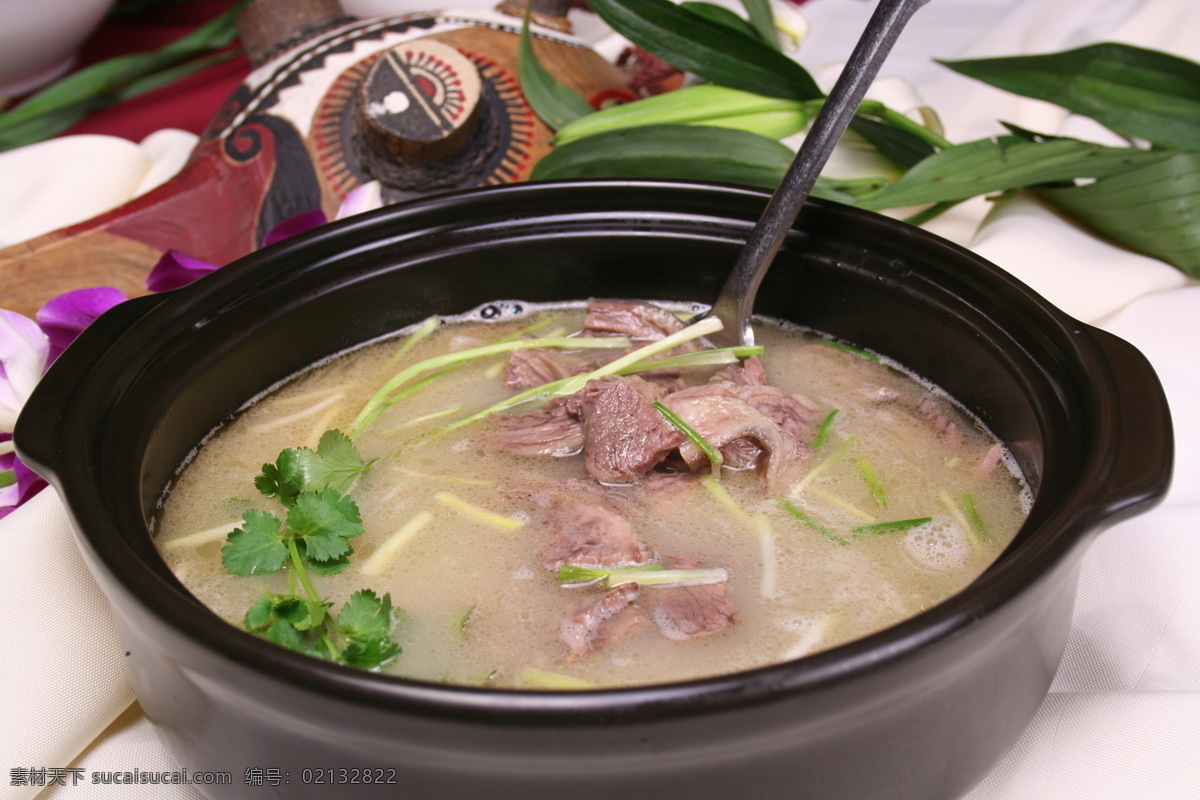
[(422, 102)]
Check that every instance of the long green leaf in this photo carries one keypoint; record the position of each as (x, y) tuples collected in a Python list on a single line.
[(708, 49), (1153, 207), (1140, 93), (721, 15), (555, 104), (763, 20), (996, 165), (670, 151), (69, 99)]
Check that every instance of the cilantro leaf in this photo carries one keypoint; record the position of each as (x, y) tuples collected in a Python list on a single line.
[(366, 621), (275, 618), (283, 479), (335, 464), (324, 521), (331, 567), (370, 653), (366, 614), (256, 547)]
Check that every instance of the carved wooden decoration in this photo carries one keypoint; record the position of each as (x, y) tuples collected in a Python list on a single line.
[(313, 122)]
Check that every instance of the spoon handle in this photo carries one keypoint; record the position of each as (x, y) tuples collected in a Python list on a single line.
[(735, 304)]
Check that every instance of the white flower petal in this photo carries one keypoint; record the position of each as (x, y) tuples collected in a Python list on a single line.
[(23, 352)]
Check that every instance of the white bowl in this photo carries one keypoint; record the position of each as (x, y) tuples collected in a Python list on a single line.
[(39, 40)]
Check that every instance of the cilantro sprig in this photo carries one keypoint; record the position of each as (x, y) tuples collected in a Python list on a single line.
[(313, 537)]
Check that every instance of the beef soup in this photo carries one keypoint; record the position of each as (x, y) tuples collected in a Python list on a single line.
[(637, 520)]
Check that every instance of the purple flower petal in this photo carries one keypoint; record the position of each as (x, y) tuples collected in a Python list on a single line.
[(367, 197), (64, 317), (28, 483), (293, 225), (177, 269), (24, 350)]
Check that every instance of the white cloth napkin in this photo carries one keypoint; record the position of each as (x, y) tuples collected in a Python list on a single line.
[(1122, 720)]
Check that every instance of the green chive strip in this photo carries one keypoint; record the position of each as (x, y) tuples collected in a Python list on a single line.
[(573, 384), (895, 525), (703, 358), (973, 515), (872, 480), (812, 523), (850, 349), (826, 427), (576, 575), (829, 461), (413, 339), (960, 519), (711, 453), (642, 575), (378, 401)]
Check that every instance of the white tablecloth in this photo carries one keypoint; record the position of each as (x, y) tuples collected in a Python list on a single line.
[(1122, 720)]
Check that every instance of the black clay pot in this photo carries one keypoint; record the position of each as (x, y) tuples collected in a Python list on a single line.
[(920, 710)]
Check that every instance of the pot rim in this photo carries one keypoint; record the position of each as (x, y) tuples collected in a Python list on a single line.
[(146, 579)]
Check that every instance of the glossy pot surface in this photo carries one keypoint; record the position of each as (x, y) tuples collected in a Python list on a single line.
[(920, 710)]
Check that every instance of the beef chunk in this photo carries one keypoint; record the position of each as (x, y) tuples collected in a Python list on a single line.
[(624, 436), (928, 410), (749, 373), (529, 368), (641, 322), (724, 420), (688, 612), (590, 536), (610, 617), (550, 431)]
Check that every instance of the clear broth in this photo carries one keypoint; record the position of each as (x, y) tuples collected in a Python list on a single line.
[(475, 604)]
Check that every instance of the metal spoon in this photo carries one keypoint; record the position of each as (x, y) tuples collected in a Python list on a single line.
[(735, 304)]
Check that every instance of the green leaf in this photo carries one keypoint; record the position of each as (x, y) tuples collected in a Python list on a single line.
[(281, 619), (324, 521), (553, 102), (366, 620), (1153, 207), (709, 49), (1136, 92), (670, 151), (257, 547), (722, 16), (763, 20), (702, 104), (366, 614), (335, 464), (996, 165), (69, 99)]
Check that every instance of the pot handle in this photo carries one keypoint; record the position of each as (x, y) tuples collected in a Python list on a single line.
[(1139, 432), (37, 435)]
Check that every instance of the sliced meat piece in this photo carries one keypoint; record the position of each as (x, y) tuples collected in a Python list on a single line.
[(794, 413), (529, 368), (641, 322), (590, 536), (749, 373), (689, 612), (722, 418), (624, 436), (610, 617), (550, 431), (928, 410)]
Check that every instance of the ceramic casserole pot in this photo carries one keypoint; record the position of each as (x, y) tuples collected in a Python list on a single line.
[(920, 710)]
